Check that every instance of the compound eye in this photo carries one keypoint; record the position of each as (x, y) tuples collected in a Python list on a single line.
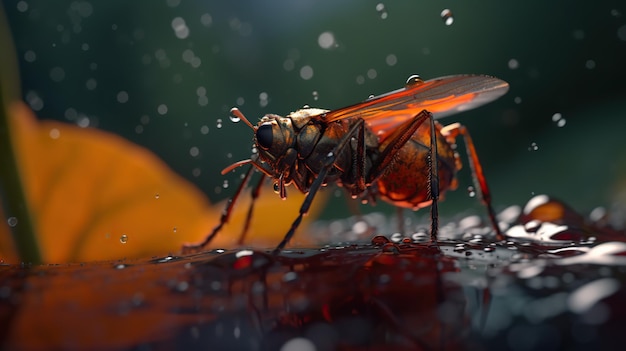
[(265, 136)]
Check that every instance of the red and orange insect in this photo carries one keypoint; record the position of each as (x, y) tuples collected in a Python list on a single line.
[(380, 148)]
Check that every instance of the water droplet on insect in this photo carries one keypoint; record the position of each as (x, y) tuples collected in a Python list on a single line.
[(219, 123), (471, 191), (379, 240), (533, 147), (124, 239), (12, 221), (413, 80), (380, 8), (447, 17), (276, 187), (120, 266)]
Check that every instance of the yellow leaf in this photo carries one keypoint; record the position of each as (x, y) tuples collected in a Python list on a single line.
[(96, 196)]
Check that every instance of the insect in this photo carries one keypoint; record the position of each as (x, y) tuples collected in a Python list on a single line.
[(383, 147)]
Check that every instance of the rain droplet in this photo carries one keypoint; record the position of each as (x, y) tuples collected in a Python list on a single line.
[(446, 16), (327, 40), (471, 191), (413, 80), (124, 239), (315, 95), (533, 147), (391, 60), (12, 221), (513, 64), (219, 123), (180, 28), (380, 8), (225, 184), (306, 72)]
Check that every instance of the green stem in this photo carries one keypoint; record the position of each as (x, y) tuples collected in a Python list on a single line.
[(11, 189)]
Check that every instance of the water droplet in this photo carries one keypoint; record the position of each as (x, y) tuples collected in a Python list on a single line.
[(306, 72), (290, 277), (124, 239), (327, 40), (156, 196), (175, 229), (180, 28), (447, 17), (471, 191), (122, 97), (379, 240), (219, 123), (380, 8), (371, 73), (413, 80), (225, 184), (276, 187), (12, 221), (396, 237), (517, 100), (391, 60), (120, 266), (162, 109), (315, 95), (234, 118), (533, 147), (513, 64)]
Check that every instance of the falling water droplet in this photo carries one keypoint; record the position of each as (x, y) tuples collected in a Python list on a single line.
[(533, 147), (315, 95), (471, 191), (12, 221), (380, 8), (219, 123), (446, 16), (124, 239)]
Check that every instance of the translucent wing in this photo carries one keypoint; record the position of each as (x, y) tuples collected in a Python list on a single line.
[(442, 97)]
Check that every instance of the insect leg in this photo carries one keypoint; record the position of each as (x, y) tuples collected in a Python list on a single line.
[(397, 140), (317, 183), (225, 215), (433, 182), (255, 194), (453, 131)]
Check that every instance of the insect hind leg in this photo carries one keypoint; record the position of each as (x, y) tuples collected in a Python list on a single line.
[(453, 131)]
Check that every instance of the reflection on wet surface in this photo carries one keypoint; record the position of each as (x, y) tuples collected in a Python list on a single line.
[(556, 282)]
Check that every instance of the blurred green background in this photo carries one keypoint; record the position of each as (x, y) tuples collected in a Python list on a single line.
[(164, 73)]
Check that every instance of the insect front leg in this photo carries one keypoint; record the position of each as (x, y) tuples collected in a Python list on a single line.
[(453, 131), (225, 216), (356, 129)]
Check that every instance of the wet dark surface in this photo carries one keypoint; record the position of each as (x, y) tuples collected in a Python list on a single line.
[(555, 283)]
